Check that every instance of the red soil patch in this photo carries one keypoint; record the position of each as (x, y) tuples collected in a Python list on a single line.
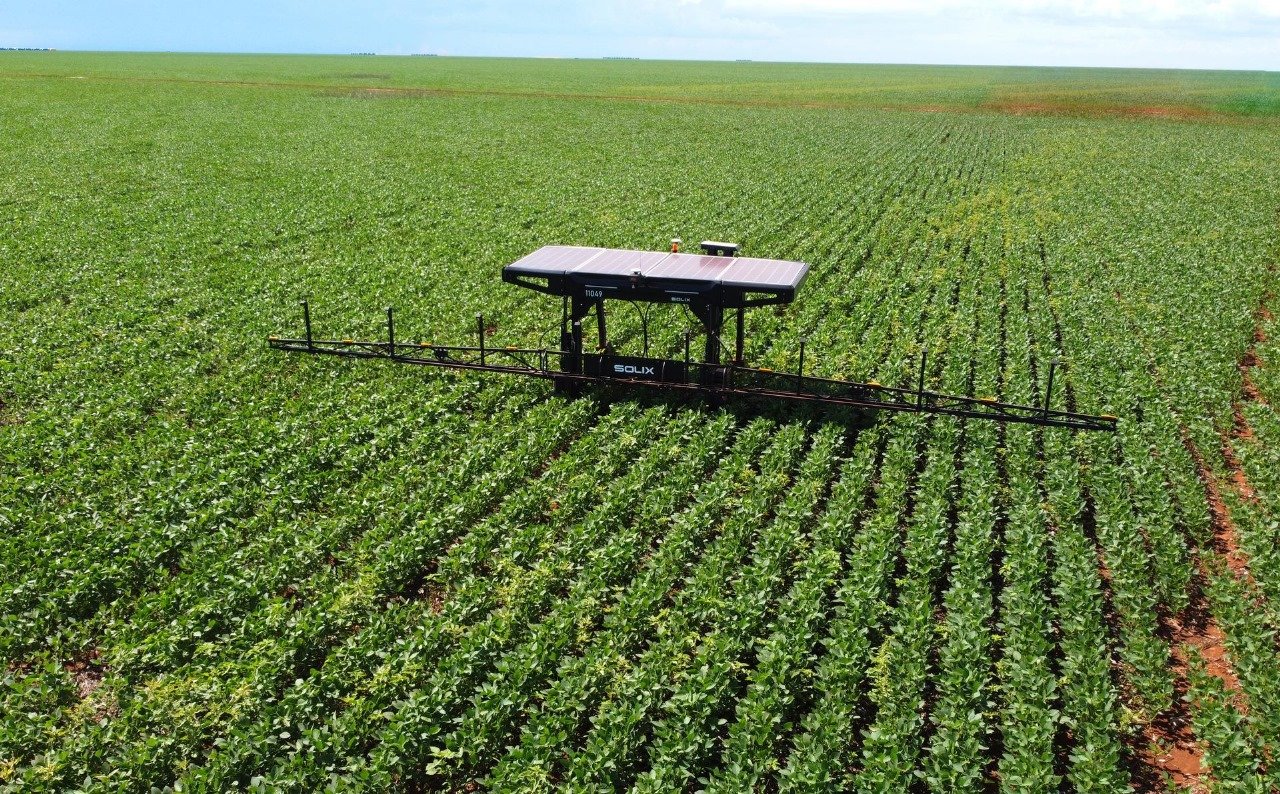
[(1181, 761), (1168, 750), (1013, 106), (1240, 425), (1171, 744), (1247, 387), (1224, 529), (1240, 430), (1100, 110), (1172, 749), (1206, 637), (1251, 391), (1234, 470), (1250, 359)]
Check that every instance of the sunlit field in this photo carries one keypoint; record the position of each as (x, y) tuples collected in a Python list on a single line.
[(223, 567)]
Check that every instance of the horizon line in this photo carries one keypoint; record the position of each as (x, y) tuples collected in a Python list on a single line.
[(317, 54)]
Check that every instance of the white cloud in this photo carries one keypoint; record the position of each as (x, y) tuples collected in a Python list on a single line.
[(1218, 34), (1151, 10)]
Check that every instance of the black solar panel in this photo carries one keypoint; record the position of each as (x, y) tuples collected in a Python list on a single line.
[(742, 272)]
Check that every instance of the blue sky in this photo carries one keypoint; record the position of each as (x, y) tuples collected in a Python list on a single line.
[(1227, 34)]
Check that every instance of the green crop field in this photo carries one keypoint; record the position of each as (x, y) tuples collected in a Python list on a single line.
[(225, 567)]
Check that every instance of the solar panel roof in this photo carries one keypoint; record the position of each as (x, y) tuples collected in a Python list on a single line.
[(742, 271)]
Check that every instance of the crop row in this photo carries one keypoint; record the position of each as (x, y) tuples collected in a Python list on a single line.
[(221, 568)]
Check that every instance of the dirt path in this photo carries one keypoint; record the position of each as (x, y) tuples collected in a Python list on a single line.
[(1240, 432), (1195, 627), (1172, 748)]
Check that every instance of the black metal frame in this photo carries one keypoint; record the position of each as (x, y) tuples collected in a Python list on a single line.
[(574, 368)]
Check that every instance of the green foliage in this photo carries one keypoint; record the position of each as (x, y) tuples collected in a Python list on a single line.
[(224, 568)]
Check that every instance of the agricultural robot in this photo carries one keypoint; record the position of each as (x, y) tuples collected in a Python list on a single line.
[(713, 285)]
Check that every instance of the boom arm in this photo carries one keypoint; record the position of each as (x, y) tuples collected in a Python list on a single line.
[(574, 367)]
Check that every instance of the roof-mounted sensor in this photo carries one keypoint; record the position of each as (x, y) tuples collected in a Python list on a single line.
[(719, 249)]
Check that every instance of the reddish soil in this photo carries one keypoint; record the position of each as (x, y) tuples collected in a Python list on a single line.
[(1202, 633), (1172, 748), (1247, 387), (1183, 767), (87, 673), (1099, 110), (1208, 638), (1224, 529), (1234, 470), (1012, 106), (1251, 360), (1249, 391), (1169, 749), (1240, 425), (436, 596)]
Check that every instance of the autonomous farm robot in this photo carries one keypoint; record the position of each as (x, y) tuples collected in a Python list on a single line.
[(712, 285)]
